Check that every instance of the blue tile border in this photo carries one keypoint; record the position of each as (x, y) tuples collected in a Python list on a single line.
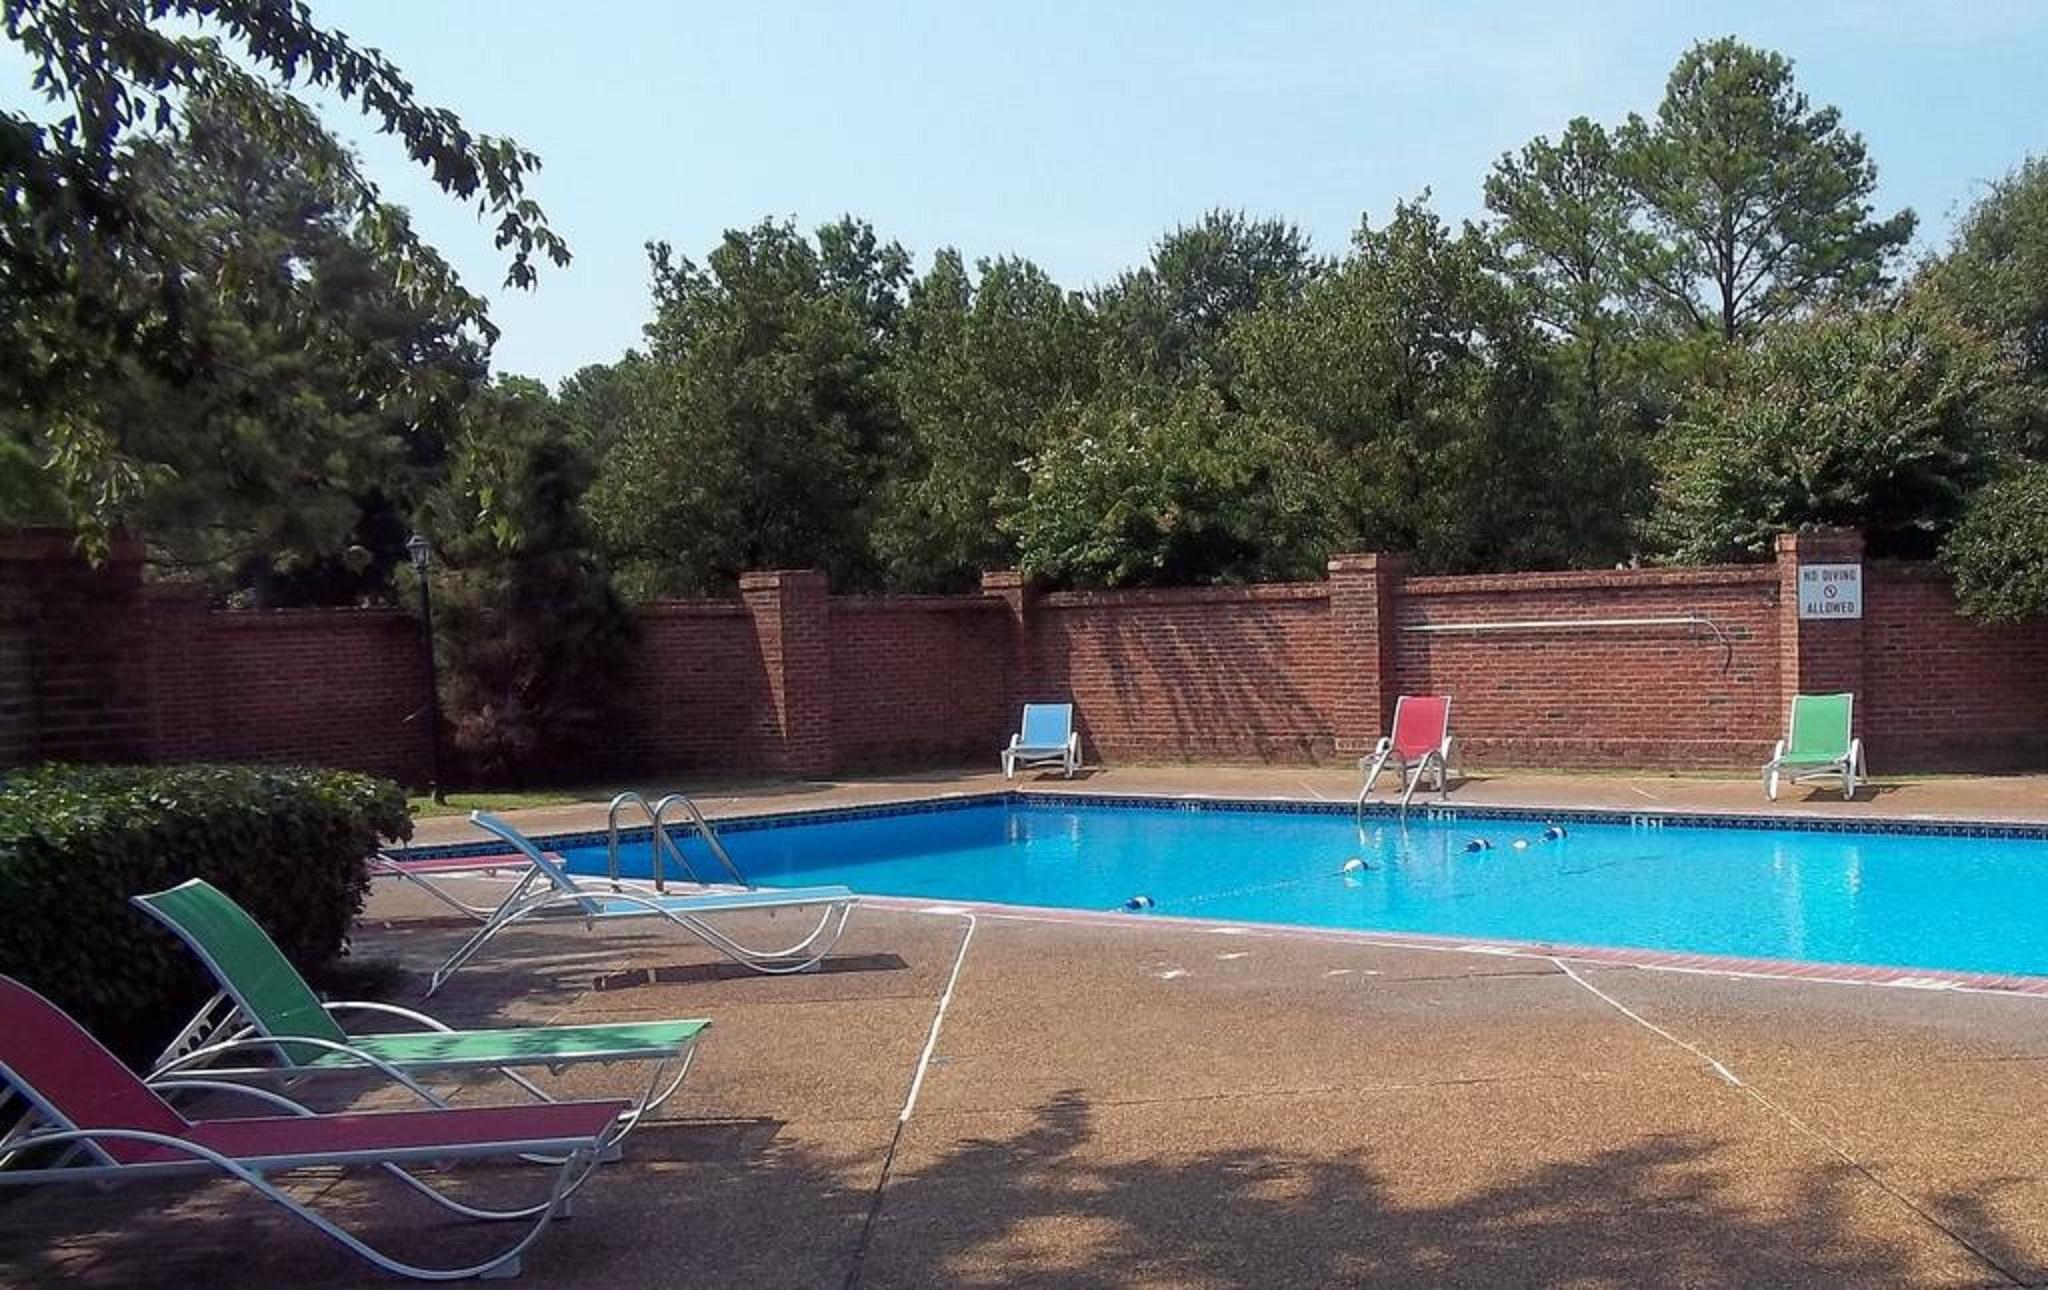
[(1062, 801)]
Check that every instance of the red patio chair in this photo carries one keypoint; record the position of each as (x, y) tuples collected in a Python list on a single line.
[(1421, 743)]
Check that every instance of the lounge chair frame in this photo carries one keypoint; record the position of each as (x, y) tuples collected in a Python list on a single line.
[(1436, 760), (1850, 766), (421, 873), (548, 891), (49, 1146), (1065, 755), (231, 1026)]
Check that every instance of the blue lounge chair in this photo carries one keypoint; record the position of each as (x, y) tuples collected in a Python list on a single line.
[(548, 892), (1047, 738)]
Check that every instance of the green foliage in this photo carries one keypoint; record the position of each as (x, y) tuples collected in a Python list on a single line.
[(76, 842), (770, 417), (1760, 199), (1175, 493), (1412, 363), (286, 452), (1998, 552), (1996, 278), (97, 277), (529, 630), (1166, 323), (1883, 419), (988, 372)]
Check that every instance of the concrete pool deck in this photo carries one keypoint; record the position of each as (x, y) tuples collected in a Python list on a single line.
[(1108, 1102)]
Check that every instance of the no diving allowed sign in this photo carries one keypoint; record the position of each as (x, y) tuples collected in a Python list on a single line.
[(1831, 591)]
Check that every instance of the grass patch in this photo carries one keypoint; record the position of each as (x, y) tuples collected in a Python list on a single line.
[(426, 808)]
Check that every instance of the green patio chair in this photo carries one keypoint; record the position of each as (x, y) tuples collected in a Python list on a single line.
[(1818, 743), (266, 1008)]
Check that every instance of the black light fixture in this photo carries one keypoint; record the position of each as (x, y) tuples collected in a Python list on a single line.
[(417, 547)]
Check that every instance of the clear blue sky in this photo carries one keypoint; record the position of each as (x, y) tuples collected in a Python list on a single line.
[(1075, 133)]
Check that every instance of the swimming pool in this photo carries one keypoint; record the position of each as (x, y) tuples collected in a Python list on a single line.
[(1938, 898)]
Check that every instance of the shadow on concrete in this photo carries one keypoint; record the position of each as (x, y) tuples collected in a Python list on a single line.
[(1049, 1205), (745, 1202), (701, 973)]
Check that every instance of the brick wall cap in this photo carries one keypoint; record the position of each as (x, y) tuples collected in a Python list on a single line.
[(1367, 562), (1159, 597), (915, 604), (769, 579), (1821, 541), (1707, 575), (691, 609)]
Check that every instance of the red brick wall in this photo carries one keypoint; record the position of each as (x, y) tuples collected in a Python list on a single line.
[(1939, 691), (787, 680), (1599, 696), (1231, 673), (695, 695), (342, 688), (918, 681)]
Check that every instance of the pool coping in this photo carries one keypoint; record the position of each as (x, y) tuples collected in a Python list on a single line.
[(1647, 817), (1815, 972)]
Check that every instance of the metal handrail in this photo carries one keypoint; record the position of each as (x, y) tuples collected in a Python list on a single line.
[(657, 840), (1727, 642), (704, 830)]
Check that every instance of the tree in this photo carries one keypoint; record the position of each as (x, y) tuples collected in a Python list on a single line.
[(1414, 364), (1165, 323), (1995, 277), (316, 394), (1568, 231), (96, 273), (1760, 199), (1998, 551), (529, 628), (988, 369), (771, 416), (603, 402), (1176, 492), (1883, 419)]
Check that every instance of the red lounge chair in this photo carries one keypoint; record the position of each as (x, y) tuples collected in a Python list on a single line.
[(1421, 742), (92, 1120)]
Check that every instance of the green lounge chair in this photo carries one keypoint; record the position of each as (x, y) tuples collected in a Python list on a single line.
[(1817, 744), (265, 1008), (91, 1120)]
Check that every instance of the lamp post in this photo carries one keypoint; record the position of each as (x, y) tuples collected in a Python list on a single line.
[(422, 554)]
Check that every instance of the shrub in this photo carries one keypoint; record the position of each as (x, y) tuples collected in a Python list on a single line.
[(77, 841), (1998, 555)]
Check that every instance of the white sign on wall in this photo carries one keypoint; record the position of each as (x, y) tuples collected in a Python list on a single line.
[(1831, 591)]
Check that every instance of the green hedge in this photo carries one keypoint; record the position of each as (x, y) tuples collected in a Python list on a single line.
[(77, 841)]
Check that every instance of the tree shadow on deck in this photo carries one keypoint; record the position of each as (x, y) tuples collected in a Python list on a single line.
[(1052, 1205)]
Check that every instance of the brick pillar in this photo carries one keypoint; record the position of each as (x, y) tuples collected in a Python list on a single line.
[(792, 625), (1362, 591), (1818, 655), (1017, 591)]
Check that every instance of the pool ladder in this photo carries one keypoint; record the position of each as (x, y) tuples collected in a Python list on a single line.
[(659, 841), (1407, 795)]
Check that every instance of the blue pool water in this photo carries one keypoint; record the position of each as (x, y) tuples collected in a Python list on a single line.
[(1960, 903)]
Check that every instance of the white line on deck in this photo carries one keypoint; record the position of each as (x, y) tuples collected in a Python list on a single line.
[(1800, 1126), (931, 1041)]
